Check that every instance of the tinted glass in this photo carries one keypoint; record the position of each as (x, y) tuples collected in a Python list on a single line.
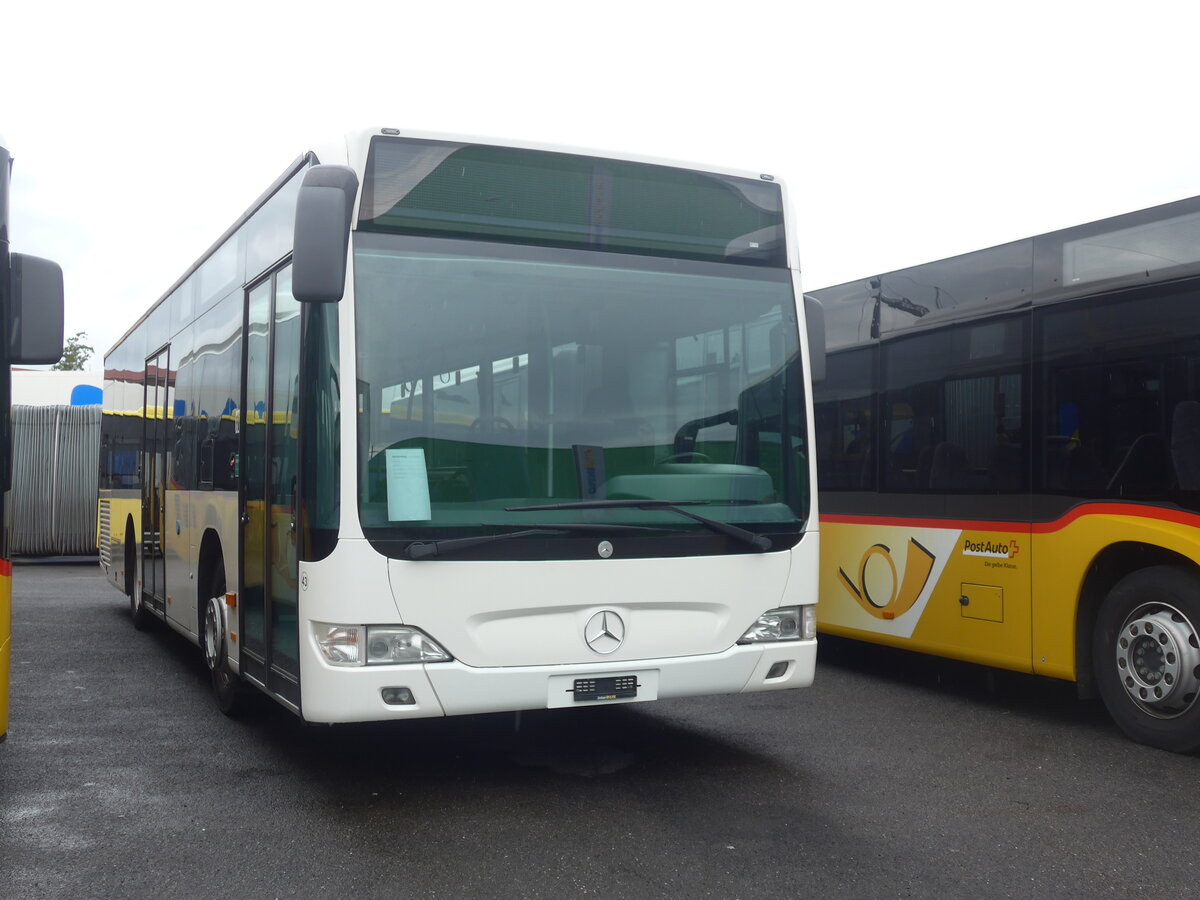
[(252, 466), (559, 199), (845, 411), (216, 392), (321, 441), (267, 237), (281, 474), (1139, 247), (121, 422), (1122, 396), (184, 433), (493, 377), (953, 409), (849, 314), (996, 278)]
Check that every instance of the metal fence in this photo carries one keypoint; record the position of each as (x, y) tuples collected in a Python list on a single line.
[(56, 452)]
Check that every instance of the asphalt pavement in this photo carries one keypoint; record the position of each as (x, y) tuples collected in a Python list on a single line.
[(894, 775)]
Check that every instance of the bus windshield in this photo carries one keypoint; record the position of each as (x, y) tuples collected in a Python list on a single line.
[(493, 376)]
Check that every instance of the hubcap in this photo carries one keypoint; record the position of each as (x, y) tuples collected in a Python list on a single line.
[(1158, 660), (212, 633)]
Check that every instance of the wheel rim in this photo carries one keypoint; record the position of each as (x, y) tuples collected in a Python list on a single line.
[(213, 633), (1158, 660), (135, 598)]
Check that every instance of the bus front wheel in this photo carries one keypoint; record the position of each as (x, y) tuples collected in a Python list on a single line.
[(226, 684), (1146, 655)]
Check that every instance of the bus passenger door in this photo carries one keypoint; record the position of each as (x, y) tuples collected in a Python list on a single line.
[(267, 485), (154, 473)]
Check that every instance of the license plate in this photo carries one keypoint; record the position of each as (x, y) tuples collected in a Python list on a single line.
[(616, 688)]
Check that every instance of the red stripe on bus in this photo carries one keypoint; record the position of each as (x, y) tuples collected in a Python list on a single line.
[(1137, 511), (961, 524)]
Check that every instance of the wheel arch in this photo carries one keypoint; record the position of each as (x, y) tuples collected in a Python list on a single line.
[(1109, 566), (212, 570)]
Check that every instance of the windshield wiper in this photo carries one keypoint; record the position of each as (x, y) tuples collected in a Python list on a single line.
[(758, 541), (598, 527), (427, 549)]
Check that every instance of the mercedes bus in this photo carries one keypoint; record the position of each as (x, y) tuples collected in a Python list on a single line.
[(445, 426)]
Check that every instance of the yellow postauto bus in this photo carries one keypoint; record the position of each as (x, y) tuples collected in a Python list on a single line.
[(31, 303), (1008, 448)]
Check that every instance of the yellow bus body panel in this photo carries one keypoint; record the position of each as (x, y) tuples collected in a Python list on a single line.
[(999, 594), (1064, 551), (938, 587)]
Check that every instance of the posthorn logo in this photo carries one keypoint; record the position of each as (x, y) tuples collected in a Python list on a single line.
[(880, 588)]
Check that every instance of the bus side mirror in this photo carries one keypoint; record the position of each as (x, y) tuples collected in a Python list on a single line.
[(323, 211), (814, 317), (35, 324)]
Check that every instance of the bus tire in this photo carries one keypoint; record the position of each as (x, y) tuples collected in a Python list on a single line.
[(1146, 657), (226, 684), (138, 614)]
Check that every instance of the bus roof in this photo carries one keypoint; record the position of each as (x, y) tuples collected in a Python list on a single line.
[(353, 148), (1157, 244)]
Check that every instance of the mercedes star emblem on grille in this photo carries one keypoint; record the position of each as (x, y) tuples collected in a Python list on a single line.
[(604, 631)]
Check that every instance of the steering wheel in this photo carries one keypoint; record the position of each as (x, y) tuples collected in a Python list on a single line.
[(689, 456), (491, 425)]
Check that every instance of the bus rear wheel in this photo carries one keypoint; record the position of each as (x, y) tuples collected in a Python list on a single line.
[(226, 684), (1146, 655)]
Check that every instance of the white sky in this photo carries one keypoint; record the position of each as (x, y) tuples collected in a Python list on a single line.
[(906, 132)]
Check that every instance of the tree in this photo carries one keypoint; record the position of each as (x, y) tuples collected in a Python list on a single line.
[(75, 354)]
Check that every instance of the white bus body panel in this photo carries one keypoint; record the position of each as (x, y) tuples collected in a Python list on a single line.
[(516, 628), (533, 613)]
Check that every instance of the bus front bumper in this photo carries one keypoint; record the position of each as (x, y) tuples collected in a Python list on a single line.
[(332, 694)]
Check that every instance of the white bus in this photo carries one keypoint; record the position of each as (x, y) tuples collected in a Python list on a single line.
[(446, 426)]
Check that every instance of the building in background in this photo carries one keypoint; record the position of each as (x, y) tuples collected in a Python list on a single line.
[(40, 387), (56, 441)]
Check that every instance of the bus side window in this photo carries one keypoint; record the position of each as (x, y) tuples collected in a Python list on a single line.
[(954, 410), (846, 422)]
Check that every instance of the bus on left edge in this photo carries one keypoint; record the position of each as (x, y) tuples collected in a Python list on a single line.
[(31, 301)]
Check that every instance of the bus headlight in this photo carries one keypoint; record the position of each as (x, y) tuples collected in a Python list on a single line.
[(373, 645), (396, 644), (787, 623)]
